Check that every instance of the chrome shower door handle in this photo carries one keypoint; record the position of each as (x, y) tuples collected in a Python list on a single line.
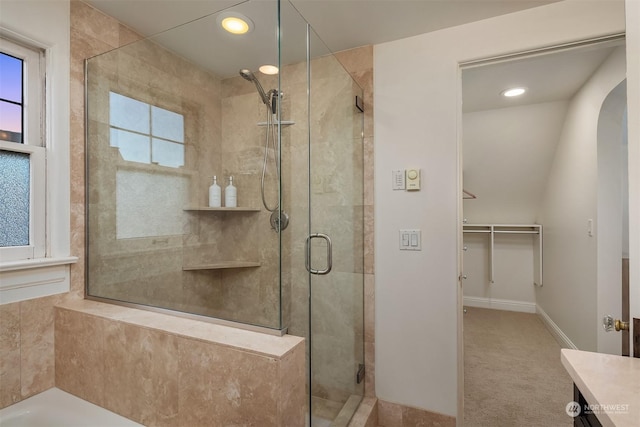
[(308, 254)]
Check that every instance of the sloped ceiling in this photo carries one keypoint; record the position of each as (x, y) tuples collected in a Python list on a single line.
[(509, 144), (507, 156)]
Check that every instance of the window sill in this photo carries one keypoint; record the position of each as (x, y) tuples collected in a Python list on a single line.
[(34, 278), (36, 263)]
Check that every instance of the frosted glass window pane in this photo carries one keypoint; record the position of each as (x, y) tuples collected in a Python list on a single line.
[(10, 78), (167, 153), (167, 124), (15, 177), (149, 205), (128, 113), (133, 147)]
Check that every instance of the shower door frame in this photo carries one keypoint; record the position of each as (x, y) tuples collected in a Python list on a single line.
[(319, 278)]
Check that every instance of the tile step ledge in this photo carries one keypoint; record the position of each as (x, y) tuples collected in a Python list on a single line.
[(367, 413), (254, 342)]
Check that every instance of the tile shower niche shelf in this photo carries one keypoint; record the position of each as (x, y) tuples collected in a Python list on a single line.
[(221, 265), (238, 209)]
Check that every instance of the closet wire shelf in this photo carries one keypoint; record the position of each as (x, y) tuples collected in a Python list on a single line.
[(493, 229)]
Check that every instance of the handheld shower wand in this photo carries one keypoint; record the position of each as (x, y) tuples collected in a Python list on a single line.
[(248, 75), (279, 218)]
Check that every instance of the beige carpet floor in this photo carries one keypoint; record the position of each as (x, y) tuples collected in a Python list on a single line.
[(512, 372)]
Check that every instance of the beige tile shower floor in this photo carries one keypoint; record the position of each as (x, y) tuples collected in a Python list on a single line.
[(324, 409)]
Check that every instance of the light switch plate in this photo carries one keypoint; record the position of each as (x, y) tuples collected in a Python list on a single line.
[(398, 181), (410, 240)]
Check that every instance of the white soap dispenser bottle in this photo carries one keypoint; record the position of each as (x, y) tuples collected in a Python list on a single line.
[(215, 194), (230, 195)]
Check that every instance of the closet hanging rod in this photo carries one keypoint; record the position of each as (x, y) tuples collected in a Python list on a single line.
[(502, 231), (500, 226), (468, 195)]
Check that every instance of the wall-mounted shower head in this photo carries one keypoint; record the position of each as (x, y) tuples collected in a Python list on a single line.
[(248, 75)]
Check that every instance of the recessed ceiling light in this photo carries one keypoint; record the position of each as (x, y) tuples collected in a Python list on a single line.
[(235, 23), (516, 91), (268, 69)]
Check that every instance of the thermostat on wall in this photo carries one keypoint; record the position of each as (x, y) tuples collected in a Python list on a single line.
[(413, 179)]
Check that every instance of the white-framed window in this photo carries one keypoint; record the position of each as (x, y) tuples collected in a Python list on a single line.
[(22, 152), (45, 28), (145, 133), (150, 135)]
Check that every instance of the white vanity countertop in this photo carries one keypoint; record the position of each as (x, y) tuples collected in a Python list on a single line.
[(612, 382)]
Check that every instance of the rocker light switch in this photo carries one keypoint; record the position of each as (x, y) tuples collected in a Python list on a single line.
[(410, 240)]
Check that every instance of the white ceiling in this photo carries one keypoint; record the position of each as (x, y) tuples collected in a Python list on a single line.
[(340, 24), (190, 28), (552, 76)]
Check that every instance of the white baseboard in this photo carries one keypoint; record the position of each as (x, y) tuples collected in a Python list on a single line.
[(557, 333), (500, 304)]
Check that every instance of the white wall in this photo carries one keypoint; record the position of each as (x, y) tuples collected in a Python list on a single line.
[(570, 293), (513, 277), (633, 121), (417, 89), (612, 159), (507, 155)]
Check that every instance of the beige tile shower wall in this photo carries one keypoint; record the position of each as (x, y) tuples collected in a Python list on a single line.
[(255, 292), (149, 269), (160, 371), (92, 33), (242, 141), (222, 139)]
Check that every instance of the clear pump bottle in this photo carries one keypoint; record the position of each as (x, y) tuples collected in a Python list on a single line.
[(230, 195), (215, 193)]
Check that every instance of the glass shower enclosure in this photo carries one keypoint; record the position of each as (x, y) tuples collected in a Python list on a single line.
[(167, 113)]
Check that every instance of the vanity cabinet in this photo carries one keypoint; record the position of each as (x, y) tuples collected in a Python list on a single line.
[(586, 418), (607, 382)]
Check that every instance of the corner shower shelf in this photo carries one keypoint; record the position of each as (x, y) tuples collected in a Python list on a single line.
[(238, 209), (221, 265)]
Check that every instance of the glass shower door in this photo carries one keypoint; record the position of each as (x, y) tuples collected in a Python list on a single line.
[(335, 241)]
